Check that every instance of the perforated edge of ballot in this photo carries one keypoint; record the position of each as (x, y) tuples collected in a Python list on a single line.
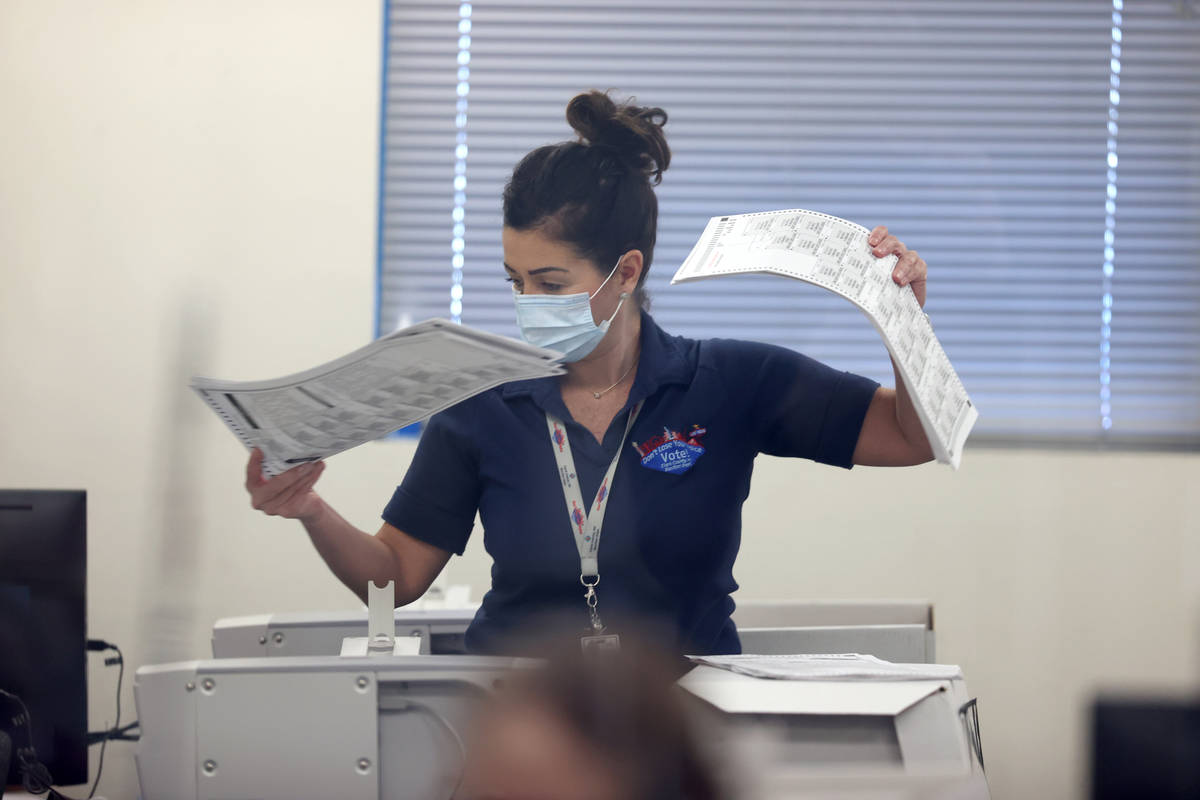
[(833, 253), (402, 378)]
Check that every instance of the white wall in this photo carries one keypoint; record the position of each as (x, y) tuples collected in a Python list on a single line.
[(190, 188)]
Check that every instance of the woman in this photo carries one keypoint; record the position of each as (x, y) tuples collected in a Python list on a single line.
[(666, 427)]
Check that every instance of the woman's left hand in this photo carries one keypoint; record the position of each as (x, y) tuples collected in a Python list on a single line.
[(910, 269)]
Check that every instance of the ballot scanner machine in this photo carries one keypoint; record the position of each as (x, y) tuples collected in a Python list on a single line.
[(314, 727), (277, 714)]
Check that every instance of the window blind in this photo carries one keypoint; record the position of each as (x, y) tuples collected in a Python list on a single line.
[(1057, 218), (1155, 283)]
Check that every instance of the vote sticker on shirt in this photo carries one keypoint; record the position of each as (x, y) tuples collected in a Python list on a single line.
[(672, 451)]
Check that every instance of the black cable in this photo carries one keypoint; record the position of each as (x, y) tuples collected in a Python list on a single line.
[(119, 660), (35, 778), (124, 733), (970, 717)]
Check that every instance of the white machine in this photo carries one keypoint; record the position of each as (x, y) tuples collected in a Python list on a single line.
[(899, 631), (355, 728), (438, 632), (276, 714), (909, 723), (309, 728)]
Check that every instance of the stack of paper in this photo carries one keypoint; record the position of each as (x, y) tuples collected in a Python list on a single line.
[(829, 667)]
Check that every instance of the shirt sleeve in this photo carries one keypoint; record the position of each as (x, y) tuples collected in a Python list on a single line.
[(437, 500), (806, 409)]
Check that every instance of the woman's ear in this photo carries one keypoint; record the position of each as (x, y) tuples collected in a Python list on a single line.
[(629, 271)]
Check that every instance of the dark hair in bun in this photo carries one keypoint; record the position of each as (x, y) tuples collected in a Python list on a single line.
[(596, 193), (631, 132)]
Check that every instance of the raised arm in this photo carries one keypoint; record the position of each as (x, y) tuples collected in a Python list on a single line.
[(891, 434), (353, 555)]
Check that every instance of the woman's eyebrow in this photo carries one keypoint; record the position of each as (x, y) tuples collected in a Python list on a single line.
[(539, 270)]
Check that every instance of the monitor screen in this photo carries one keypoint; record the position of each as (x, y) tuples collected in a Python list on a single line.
[(1145, 748), (43, 627)]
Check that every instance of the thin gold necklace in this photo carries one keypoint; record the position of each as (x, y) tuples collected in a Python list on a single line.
[(624, 375)]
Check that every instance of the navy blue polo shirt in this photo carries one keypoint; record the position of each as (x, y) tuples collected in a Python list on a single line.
[(670, 537)]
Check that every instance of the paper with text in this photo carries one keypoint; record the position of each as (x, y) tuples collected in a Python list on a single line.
[(402, 378), (833, 254)]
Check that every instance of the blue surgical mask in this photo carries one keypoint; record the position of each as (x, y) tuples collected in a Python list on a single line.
[(563, 322)]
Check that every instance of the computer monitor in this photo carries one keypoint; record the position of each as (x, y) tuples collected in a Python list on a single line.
[(1145, 747), (43, 627)]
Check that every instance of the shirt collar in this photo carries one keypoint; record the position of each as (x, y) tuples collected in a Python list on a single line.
[(662, 362)]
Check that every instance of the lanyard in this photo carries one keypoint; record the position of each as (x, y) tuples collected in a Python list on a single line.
[(585, 525)]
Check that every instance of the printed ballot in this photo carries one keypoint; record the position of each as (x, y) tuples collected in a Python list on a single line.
[(833, 254), (402, 378), (828, 667)]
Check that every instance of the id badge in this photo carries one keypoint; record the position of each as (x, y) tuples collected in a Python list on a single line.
[(600, 643)]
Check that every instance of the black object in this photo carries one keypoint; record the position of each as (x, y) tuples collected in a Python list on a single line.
[(43, 628), (119, 660), (5, 754), (1145, 749), (969, 714)]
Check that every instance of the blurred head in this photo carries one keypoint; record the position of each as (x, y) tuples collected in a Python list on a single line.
[(593, 196), (606, 726)]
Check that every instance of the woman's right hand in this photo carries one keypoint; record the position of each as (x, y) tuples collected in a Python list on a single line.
[(287, 495)]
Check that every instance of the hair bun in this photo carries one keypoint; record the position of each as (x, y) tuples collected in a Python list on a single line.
[(635, 133)]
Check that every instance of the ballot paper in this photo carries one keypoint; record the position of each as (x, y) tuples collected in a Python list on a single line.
[(402, 378), (833, 254), (829, 667)]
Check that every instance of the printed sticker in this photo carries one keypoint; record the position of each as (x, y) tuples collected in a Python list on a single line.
[(672, 451)]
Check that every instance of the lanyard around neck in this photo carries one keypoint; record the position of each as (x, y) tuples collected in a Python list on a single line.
[(586, 524)]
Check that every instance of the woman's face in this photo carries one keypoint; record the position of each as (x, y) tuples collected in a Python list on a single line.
[(537, 264)]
